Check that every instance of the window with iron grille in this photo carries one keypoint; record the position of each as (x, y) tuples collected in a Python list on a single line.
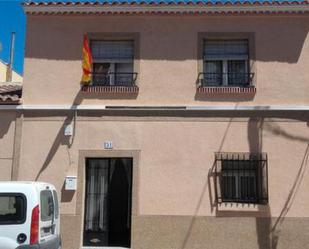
[(113, 63), (226, 63), (241, 177)]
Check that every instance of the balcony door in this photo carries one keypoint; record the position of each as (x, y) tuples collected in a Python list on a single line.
[(107, 218)]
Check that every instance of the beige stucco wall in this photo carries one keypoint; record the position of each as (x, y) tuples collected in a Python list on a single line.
[(168, 58), (176, 149), (173, 196), (7, 130), (3, 72), (174, 163)]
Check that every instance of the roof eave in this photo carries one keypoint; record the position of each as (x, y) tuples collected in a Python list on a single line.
[(167, 9)]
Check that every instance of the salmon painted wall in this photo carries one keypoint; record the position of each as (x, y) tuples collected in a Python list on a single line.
[(7, 129), (168, 58), (173, 164)]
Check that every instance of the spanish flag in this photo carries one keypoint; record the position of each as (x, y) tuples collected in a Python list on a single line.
[(87, 61)]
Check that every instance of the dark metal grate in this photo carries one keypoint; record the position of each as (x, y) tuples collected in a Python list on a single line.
[(114, 79), (233, 79), (241, 177)]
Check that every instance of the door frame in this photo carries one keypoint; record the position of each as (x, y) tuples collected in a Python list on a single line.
[(81, 186)]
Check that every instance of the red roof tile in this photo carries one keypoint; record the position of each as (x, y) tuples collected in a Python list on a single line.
[(10, 93), (47, 7), (164, 2)]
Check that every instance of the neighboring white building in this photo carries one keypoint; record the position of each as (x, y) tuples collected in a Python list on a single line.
[(3, 72)]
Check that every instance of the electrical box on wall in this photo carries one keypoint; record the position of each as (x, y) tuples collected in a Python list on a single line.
[(68, 130), (70, 183)]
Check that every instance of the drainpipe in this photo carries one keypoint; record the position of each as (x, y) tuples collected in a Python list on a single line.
[(9, 71)]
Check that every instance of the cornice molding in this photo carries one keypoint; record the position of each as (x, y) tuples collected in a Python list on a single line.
[(167, 9)]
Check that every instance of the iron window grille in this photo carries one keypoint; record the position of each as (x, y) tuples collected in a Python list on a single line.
[(241, 178), (226, 63), (113, 63)]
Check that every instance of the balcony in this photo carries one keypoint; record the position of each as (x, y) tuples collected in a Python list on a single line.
[(226, 83), (112, 83)]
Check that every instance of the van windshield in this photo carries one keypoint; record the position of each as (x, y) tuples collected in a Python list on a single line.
[(12, 208)]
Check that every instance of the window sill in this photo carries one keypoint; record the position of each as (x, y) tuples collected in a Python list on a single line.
[(110, 89), (225, 90)]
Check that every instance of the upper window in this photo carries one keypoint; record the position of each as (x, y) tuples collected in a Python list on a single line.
[(12, 208), (113, 63), (226, 63), (242, 177)]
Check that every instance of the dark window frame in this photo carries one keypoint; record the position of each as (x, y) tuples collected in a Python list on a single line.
[(24, 209), (241, 178), (113, 77), (251, 77), (227, 76)]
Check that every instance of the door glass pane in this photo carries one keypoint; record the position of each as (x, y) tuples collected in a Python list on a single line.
[(225, 49), (120, 202), (124, 74), (237, 72), (112, 50), (101, 73), (212, 73), (97, 184)]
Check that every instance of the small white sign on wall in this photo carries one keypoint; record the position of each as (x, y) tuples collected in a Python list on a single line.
[(71, 183), (108, 145)]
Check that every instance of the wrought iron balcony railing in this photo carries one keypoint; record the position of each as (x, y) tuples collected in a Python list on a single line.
[(113, 79), (225, 79)]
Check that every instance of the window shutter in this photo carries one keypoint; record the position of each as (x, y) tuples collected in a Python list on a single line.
[(226, 49), (112, 50)]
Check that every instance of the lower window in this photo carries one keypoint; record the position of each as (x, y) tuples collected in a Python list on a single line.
[(241, 178)]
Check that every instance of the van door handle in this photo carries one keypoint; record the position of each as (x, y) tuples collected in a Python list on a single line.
[(21, 238)]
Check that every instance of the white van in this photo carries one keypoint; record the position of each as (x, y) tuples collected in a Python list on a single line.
[(29, 216)]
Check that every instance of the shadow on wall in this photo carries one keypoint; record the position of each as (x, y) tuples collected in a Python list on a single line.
[(224, 97), (113, 96), (277, 226), (268, 234), (263, 224), (60, 38), (60, 139), (5, 126), (66, 195), (207, 184), (276, 229)]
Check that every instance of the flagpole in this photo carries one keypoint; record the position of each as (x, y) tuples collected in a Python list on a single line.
[(11, 61)]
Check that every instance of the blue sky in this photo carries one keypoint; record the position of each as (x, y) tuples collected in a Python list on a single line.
[(12, 18)]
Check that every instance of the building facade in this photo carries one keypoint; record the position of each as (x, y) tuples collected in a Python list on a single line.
[(16, 78), (193, 132)]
